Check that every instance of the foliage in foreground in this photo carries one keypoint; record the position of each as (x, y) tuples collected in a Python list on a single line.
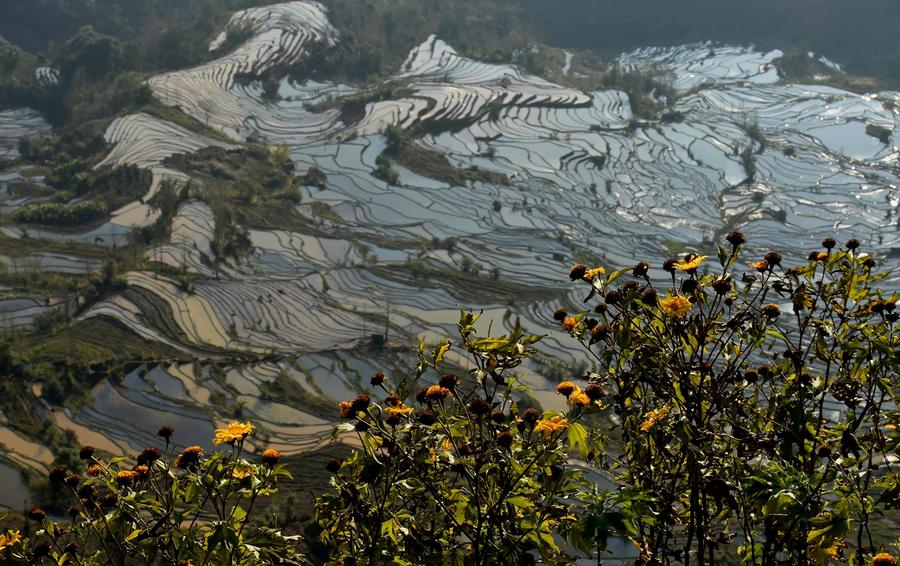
[(167, 507), (755, 419)]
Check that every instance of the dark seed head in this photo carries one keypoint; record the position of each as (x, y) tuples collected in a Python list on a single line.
[(148, 456), (828, 243), (377, 379), (771, 311), (58, 474), (505, 439), (688, 286), (577, 272), (427, 418), (774, 258), (852, 244), (479, 406), (86, 452), (641, 269), (449, 381), (601, 308), (594, 392), (736, 238), (722, 286), (333, 466), (37, 514), (669, 265), (166, 432), (560, 314), (531, 416)]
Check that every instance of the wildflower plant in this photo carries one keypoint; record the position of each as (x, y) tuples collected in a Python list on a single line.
[(756, 406), (452, 470), (167, 506)]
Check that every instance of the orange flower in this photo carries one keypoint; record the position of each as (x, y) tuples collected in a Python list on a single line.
[(9, 539), (690, 262), (884, 559), (189, 457), (437, 393), (675, 306), (760, 265), (548, 427), (579, 398), (94, 470), (233, 433), (242, 473), (654, 417), (126, 477), (396, 407), (270, 456), (569, 323)]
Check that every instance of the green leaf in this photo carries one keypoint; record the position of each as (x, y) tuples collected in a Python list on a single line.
[(578, 439)]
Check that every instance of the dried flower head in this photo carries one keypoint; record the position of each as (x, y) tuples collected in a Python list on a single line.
[(531, 416), (86, 452), (771, 311), (560, 314), (566, 388), (166, 432), (148, 456), (640, 269), (577, 271), (377, 379), (829, 243), (736, 238)]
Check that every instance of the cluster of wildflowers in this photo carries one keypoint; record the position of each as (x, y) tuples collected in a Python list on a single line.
[(754, 402), (165, 506), (454, 469)]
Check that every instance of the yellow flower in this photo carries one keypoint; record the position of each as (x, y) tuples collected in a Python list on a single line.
[(9, 539), (232, 433), (549, 426), (590, 274), (690, 262), (578, 397), (884, 559), (398, 409), (654, 417), (675, 306), (569, 323), (242, 473)]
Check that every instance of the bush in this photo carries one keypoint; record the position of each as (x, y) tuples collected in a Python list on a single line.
[(755, 406), (164, 508), (466, 477), (755, 420)]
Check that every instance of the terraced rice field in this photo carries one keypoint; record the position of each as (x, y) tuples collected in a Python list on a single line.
[(585, 176)]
